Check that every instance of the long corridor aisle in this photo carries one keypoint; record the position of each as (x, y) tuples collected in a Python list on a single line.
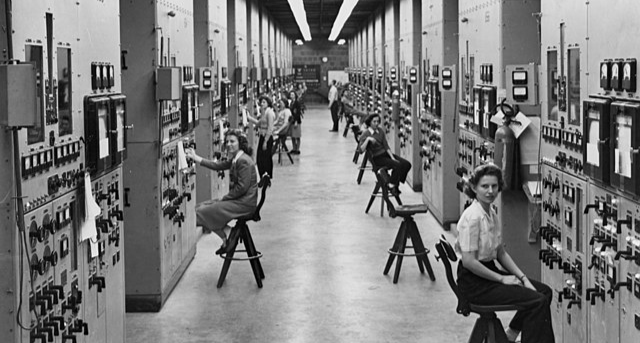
[(323, 260)]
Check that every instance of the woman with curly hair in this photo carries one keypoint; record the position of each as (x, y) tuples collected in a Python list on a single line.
[(242, 199)]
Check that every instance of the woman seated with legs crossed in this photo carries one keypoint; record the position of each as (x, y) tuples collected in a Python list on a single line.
[(480, 280), (242, 198), (373, 140)]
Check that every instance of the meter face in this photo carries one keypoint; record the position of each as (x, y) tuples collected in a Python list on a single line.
[(623, 147), (593, 154)]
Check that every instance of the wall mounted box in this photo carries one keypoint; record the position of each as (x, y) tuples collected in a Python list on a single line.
[(18, 99), (168, 83)]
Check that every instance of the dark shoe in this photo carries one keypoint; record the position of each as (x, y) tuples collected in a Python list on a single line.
[(395, 191), (222, 250)]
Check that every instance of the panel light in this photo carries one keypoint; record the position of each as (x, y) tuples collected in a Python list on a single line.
[(344, 14), (297, 7)]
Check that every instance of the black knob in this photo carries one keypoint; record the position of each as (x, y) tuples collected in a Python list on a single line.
[(53, 325), (52, 258)]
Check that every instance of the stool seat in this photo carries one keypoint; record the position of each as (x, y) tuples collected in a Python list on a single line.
[(409, 210)]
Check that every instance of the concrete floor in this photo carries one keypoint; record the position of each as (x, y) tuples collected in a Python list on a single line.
[(323, 260)]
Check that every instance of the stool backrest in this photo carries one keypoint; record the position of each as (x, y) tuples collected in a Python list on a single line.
[(383, 180), (356, 132), (265, 182), (446, 255)]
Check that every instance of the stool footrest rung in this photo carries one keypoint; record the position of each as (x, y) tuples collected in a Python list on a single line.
[(249, 258), (406, 254)]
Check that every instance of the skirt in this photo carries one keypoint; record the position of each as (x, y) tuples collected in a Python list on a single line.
[(295, 131)]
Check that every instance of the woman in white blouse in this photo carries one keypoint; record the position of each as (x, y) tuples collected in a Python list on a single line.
[(480, 280)]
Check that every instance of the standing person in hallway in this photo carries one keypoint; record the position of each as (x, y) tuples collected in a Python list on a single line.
[(242, 199), (334, 105), (296, 122), (480, 280), (265, 130), (374, 140)]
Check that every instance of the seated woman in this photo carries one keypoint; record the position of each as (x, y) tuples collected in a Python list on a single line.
[(479, 279), (281, 124), (375, 141), (242, 199)]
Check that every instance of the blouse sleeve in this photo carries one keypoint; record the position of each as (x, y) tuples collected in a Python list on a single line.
[(220, 165), (271, 116), (469, 234)]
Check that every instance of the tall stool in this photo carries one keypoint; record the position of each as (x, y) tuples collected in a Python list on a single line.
[(488, 327), (377, 193), (408, 230), (279, 148), (240, 234)]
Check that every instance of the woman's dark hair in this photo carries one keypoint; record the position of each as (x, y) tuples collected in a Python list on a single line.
[(267, 99), (295, 94), (370, 118), (285, 101), (243, 142), (488, 169)]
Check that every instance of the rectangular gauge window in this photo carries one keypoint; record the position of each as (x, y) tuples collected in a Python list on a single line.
[(33, 54), (65, 117), (120, 121), (520, 92), (623, 149), (573, 86), (519, 77), (593, 154), (103, 132)]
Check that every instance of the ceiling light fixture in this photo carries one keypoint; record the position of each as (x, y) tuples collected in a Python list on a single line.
[(344, 14), (297, 7), (341, 41), (299, 42)]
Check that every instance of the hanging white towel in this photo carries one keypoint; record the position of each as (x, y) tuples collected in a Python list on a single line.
[(182, 157), (91, 210)]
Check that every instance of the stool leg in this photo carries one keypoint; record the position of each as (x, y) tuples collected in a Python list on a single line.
[(362, 168), (356, 156), (252, 247), (479, 332), (419, 247), (289, 154), (403, 245), (251, 252), (498, 331), (227, 261), (394, 248), (398, 199), (416, 246), (376, 189)]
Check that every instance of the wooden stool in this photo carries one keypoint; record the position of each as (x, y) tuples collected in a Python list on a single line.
[(279, 148), (408, 230), (377, 192), (488, 328), (240, 234)]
